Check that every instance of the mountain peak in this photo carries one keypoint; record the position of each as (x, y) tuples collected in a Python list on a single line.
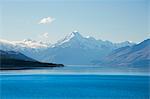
[(75, 34)]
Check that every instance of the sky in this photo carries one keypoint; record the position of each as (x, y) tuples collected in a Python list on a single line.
[(51, 20)]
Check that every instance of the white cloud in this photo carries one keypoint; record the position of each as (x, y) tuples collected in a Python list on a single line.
[(47, 20)]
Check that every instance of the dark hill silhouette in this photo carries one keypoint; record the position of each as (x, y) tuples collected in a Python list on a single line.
[(11, 60)]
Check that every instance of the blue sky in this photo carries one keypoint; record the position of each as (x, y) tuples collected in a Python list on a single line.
[(114, 20)]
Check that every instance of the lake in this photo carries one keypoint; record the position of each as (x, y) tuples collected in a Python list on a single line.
[(35, 84)]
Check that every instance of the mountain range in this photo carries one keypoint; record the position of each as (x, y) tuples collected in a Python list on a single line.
[(74, 49), (134, 56)]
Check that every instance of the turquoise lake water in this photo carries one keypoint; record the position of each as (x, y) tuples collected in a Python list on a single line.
[(42, 86)]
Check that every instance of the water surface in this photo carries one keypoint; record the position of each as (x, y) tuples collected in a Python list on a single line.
[(42, 86)]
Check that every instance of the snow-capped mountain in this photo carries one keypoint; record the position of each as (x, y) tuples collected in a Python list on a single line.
[(7, 45), (75, 39), (31, 44), (28, 47), (76, 49), (72, 49), (27, 43)]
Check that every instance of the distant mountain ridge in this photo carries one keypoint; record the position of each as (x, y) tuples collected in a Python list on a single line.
[(137, 55), (72, 49)]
